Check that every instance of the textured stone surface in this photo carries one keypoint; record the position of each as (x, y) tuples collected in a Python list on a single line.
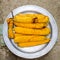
[(53, 6)]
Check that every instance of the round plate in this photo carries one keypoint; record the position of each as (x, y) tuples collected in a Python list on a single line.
[(36, 51)]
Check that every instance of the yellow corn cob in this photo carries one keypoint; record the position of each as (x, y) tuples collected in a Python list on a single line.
[(27, 38), (30, 25), (10, 28), (30, 44), (10, 33), (44, 31), (28, 18), (24, 19)]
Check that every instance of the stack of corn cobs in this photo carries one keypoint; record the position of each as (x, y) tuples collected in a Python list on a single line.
[(28, 29)]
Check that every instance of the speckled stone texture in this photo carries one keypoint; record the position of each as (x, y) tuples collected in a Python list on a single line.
[(53, 6)]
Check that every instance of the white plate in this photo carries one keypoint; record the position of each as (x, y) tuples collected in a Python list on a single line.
[(36, 51)]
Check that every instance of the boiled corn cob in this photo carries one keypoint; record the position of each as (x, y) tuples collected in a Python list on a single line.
[(28, 18), (21, 30), (31, 44), (28, 38), (30, 25), (10, 28)]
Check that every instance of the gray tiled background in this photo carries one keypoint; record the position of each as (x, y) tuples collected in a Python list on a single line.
[(53, 6)]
